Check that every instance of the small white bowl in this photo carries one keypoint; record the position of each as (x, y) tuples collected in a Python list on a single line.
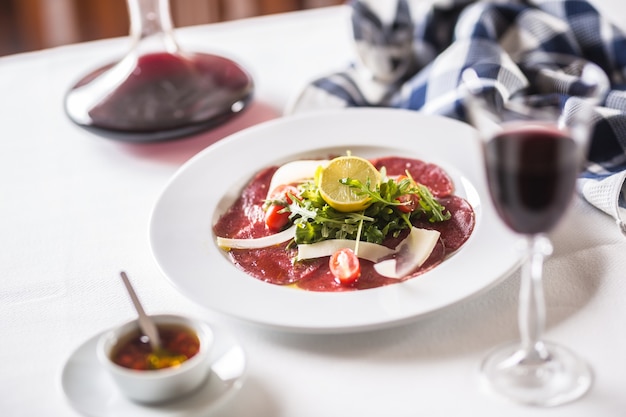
[(154, 386)]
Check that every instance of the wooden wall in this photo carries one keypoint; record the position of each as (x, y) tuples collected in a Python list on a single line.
[(27, 25)]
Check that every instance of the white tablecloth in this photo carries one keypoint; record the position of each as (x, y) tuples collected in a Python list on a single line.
[(74, 211)]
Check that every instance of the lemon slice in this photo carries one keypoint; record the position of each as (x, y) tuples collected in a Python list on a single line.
[(343, 197)]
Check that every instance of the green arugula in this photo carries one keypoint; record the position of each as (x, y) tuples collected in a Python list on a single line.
[(317, 221)]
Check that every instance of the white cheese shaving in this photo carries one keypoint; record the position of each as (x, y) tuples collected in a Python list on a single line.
[(411, 253), (261, 242), (294, 172), (370, 251), (386, 268)]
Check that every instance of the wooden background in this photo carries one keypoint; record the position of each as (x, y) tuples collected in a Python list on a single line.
[(27, 25)]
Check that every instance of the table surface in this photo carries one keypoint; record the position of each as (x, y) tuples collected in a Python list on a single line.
[(74, 211)]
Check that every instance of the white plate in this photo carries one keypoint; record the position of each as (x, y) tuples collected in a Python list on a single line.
[(91, 391), (184, 246)]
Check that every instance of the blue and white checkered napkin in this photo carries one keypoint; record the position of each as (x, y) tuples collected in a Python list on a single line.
[(412, 54)]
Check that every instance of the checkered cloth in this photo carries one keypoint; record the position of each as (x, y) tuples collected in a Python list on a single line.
[(412, 54)]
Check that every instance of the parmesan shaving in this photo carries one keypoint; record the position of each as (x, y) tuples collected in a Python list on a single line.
[(261, 242), (295, 172), (411, 253), (370, 251)]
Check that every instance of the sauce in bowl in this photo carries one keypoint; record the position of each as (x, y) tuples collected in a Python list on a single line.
[(178, 344), (180, 365)]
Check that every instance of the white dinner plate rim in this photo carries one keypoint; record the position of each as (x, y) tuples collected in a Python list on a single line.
[(214, 283)]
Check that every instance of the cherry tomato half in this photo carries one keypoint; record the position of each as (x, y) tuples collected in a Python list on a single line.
[(345, 266), (409, 203), (274, 220), (285, 192)]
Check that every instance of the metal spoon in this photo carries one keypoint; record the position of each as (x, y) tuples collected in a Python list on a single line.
[(146, 324)]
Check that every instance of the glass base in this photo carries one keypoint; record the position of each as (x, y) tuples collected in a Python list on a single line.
[(556, 377)]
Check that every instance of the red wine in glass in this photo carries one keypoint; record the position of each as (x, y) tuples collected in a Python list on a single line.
[(533, 146), (158, 91), (532, 171)]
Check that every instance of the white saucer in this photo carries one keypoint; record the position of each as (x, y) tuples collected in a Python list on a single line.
[(91, 392)]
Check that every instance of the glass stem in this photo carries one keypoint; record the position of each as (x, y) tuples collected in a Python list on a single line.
[(532, 308), (151, 28)]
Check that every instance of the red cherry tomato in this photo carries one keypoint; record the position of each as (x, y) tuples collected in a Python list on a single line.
[(285, 192), (274, 220), (345, 266), (410, 203), (410, 200)]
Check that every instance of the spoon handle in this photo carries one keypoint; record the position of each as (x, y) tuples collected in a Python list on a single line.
[(146, 325)]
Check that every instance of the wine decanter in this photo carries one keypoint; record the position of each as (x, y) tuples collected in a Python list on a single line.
[(158, 91)]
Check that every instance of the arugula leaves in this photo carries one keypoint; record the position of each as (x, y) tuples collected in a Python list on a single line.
[(317, 221)]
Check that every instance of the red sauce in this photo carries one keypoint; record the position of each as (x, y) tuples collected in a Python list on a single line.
[(178, 344), (245, 219)]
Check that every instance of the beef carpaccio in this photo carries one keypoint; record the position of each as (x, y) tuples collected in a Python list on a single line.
[(275, 264)]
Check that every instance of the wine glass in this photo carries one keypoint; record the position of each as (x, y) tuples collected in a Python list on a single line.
[(158, 91), (534, 146)]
